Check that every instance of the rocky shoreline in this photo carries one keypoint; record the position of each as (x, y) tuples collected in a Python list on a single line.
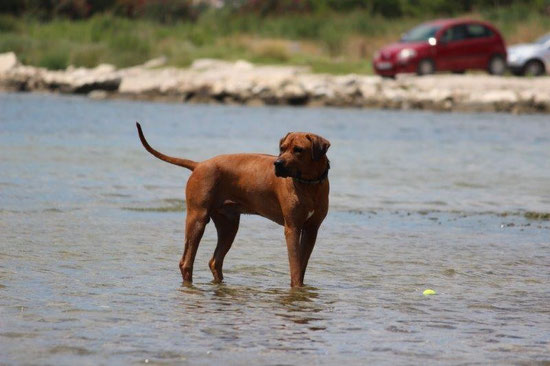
[(214, 81)]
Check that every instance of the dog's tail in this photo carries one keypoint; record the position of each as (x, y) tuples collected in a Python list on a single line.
[(189, 164)]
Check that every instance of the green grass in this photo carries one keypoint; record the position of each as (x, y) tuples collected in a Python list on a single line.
[(341, 67), (336, 43)]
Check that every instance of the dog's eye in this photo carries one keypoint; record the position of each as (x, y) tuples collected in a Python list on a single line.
[(298, 150)]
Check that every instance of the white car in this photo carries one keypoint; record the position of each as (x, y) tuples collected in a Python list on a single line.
[(531, 59)]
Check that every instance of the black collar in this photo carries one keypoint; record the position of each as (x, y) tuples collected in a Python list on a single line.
[(321, 178)]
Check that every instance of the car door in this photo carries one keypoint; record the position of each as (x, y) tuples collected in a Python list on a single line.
[(452, 52), (479, 43)]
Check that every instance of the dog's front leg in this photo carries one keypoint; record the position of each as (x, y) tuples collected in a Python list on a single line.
[(292, 235), (307, 242)]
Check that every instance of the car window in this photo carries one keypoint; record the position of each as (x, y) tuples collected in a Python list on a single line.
[(421, 33), (455, 33), (478, 31)]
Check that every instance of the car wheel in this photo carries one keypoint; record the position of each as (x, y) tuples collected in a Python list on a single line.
[(533, 68), (497, 65), (425, 67), (459, 71)]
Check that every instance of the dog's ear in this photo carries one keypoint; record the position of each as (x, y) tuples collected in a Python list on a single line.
[(319, 146), (283, 139)]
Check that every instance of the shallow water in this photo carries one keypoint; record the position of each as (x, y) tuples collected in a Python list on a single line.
[(91, 230)]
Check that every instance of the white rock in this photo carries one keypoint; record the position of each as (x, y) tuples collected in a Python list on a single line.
[(97, 94), (498, 96), (542, 98), (8, 61), (104, 69), (208, 64), (243, 65), (156, 62)]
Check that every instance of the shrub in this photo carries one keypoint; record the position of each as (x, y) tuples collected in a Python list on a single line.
[(9, 23), (88, 56), (332, 39), (19, 44), (74, 9), (163, 11), (272, 52), (54, 60), (101, 25), (128, 42)]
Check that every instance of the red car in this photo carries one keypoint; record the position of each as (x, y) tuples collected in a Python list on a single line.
[(444, 45)]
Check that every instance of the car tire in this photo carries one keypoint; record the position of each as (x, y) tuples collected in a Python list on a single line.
[(459, 72), (497, 65), (533, 68), (425, 67)]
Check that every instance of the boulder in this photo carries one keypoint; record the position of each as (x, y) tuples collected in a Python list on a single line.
[(8, 61), (498, 96), (155, 63), (81, 80), (542, 101), (144, 81)]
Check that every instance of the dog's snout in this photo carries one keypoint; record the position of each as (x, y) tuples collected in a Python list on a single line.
[(280, 169)]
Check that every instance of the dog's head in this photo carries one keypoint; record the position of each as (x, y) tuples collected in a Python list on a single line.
[(302, 155)]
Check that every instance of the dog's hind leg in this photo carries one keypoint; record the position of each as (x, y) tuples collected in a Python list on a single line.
[(194, 228), (227, 225)]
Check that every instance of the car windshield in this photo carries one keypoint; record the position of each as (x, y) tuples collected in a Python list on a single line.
[(544, 39), (421, 33)]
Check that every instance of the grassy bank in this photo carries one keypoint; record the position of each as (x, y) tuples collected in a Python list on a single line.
[(328, 42)]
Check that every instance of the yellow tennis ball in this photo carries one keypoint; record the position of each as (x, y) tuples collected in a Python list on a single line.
[(428, 292)]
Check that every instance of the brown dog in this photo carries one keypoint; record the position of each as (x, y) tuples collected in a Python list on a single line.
[(291, 189)]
